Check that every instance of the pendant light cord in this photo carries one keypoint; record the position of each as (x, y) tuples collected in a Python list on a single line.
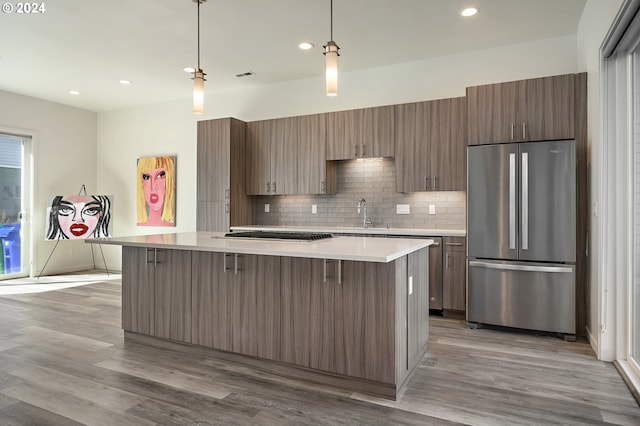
[(199, 34), (331, 20)]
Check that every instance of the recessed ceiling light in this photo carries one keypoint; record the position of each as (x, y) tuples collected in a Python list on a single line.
[(470, 11), (74, 92), (305, 45), (189, 69), (125, 82)]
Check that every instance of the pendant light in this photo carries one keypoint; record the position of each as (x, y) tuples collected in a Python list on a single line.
[(331, 57), (198, 74)]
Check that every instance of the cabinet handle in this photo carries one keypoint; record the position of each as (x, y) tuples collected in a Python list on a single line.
[(453, 244), (339, 271), (435, 183), (268, 187), (362, 151), (226, 207), (224, 263), (274, 187), (513, 130), (226, 193), (324, 273), (447, 261), (524, 131), (235, 263), (355, 150), (322, 186), (426, 182)]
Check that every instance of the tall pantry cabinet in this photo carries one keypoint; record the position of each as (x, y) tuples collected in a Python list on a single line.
[(222, 201)]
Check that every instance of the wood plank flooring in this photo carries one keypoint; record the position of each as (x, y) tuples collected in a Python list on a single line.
[(63, 361)]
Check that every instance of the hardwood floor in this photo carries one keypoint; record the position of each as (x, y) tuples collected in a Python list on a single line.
[(63, 362)]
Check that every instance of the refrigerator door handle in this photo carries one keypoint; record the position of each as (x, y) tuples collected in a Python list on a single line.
[(525, 201), (525, 268), (512, 201)]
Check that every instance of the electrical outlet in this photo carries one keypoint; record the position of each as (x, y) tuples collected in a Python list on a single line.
[(403, 208), (432, 209), (314, 209), (266, 208)]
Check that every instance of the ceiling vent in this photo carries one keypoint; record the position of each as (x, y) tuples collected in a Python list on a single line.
[(245, 74)]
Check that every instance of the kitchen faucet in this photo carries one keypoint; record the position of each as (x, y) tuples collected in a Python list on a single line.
[(366, 221)]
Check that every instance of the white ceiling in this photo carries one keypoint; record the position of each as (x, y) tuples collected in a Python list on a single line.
[(89, 45)]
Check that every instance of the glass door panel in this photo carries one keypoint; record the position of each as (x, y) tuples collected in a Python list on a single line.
[(15, 160)]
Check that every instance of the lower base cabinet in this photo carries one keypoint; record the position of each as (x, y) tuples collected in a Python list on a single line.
[(236, 303), (349, 318), (454, 287), (364, 320), (156, 292)]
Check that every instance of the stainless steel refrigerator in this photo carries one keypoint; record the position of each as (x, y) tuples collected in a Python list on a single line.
[(521, 235)]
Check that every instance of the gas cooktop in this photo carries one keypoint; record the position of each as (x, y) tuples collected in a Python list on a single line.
[(280, 235)]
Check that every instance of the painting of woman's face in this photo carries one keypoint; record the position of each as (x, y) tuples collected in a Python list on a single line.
[(78, 215), (155, 191), (154, 185)]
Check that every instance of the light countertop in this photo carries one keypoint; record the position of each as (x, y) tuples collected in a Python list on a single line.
[(366, 249), (412, 232)]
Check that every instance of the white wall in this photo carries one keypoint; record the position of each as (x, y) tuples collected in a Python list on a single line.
[(64, 149), (594, 24)]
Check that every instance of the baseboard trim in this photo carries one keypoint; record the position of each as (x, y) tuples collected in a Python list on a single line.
[(630, 377)]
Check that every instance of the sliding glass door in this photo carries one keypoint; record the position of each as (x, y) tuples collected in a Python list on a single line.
[(15, 172)]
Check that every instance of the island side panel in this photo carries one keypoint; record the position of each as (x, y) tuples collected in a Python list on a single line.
[(417, 305)]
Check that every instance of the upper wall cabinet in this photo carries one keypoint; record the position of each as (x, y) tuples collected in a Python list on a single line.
[(288, 156), (360, 133), (430, 151), (526, 110), (271, 157), (222, 201)]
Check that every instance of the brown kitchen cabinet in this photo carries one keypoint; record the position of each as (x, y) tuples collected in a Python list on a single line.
[(454, 287), (236, 303), (220, 184), (288, 156), (430, 147), (272, 156), (348, 318), (157, 292), (315, 174), (526, 110), (361, 133)]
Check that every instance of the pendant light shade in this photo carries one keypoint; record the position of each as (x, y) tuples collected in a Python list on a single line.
[(198, 91), (331, 57), (198, 74)]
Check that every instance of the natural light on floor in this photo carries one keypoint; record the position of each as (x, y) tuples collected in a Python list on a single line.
[(55, 282)]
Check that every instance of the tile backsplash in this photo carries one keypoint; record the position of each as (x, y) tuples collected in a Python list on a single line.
[(373, 180)]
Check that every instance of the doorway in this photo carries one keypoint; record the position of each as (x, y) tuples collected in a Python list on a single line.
[(15, 196)]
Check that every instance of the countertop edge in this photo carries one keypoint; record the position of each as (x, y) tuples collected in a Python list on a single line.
[(280, 250)]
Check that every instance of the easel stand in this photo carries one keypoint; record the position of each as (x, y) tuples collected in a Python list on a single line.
[(92, 258), (82, 189)]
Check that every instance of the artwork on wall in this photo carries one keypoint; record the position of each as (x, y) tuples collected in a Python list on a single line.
[(156, 191), (76, 217)]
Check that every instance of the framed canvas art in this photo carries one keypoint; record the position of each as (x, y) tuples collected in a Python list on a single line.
[(76, 217), (156, 191)]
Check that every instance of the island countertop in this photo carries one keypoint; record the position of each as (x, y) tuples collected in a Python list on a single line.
[(366, 249)]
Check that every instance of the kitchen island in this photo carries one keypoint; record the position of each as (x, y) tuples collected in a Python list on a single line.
[(350, 312)]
